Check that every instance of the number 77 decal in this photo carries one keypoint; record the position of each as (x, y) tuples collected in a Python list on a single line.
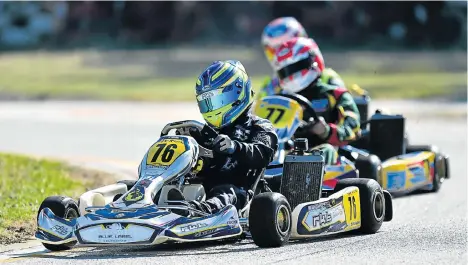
[(272, 110)]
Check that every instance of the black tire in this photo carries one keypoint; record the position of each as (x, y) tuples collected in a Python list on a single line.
[(441, 164), (266, 229), (63, 207), (368, 166), (372, 202)]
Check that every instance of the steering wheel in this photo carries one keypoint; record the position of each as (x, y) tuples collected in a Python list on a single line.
[(304, 102), (204, 129)]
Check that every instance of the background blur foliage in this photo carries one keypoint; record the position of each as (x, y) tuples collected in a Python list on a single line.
[(379, 25)]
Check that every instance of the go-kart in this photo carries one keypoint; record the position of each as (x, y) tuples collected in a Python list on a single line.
[(287, 113), (154, 209), (380, 152)]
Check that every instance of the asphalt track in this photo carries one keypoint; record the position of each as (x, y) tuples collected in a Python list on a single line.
[(427, 228)]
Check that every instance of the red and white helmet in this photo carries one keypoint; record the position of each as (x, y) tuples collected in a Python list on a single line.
[(279, 31), (298, 62)]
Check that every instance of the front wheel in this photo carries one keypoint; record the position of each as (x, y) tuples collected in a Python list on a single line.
[(373, 202), (270, 220), (63, 207)]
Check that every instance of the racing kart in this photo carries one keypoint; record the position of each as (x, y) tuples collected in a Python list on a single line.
[(380, 152), (154, 209)]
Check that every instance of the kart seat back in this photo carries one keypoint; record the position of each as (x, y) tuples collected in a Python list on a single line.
[(387, 133)]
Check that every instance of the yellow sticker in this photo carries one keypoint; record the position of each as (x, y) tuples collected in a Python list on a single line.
[(134, 195), (165, 152), (199, 166), (352, 206), (280, 116)]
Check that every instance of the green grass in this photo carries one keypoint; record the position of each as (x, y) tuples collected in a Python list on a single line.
[(25, 182), (410, 85), (68, 76)]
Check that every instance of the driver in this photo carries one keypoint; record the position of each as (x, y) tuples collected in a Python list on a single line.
[(245, 144), (296, 66), (275, 33)]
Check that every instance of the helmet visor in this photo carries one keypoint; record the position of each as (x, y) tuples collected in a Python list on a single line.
[(294, 68), (216, 99)]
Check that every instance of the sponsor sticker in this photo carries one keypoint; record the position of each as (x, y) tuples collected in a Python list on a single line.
[(206, 232), (116, 233), (396, 179), (419, 174), (323, 216), (120, 215), (209, 94), (135, 195), (145, 183), (60, 229), (321, 219), (316, 206), (192, 227), (232, 222)]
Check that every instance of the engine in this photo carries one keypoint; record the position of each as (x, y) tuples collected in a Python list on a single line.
[(302, 174)]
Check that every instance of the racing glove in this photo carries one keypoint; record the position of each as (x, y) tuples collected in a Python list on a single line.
[(183, 131), (224, 145), (202, 139), (320, 128)]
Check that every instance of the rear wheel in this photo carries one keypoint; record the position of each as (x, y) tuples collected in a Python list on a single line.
[(372, 202), (63, 207), (368, 166), (270, 220)]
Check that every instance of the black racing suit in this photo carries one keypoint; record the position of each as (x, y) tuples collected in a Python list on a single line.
[(227, 178)]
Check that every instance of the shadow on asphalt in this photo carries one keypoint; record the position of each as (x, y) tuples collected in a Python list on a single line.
[(169, 250), (416, 193)]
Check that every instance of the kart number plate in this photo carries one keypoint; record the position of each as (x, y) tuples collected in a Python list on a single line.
[(165, 152), (352, 206), (281, 116)]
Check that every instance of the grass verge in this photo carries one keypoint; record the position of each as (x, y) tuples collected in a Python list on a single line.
[(25, 182), (71, 76)]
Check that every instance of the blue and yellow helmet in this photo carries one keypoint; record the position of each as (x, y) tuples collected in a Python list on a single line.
[(223, 92)]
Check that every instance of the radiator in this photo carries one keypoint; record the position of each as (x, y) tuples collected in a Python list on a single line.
[(302, 178)]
